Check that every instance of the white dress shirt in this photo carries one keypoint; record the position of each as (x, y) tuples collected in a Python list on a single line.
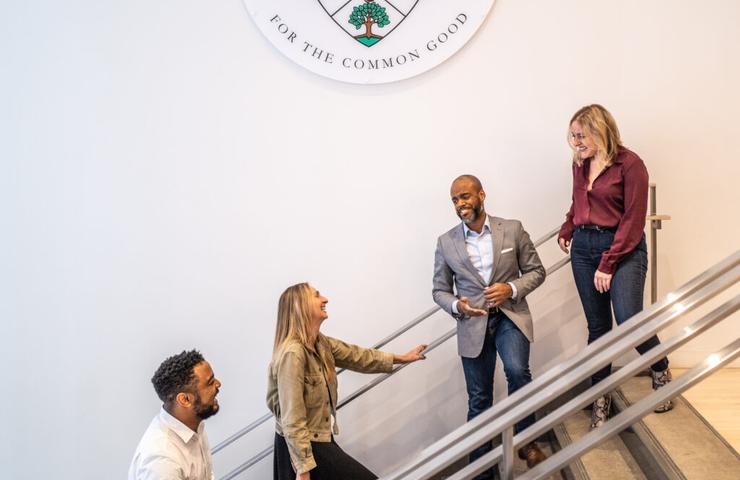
[(170, 450), (480, 251)]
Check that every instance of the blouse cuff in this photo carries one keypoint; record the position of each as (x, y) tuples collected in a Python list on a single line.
[(566, 232), (607, 266)]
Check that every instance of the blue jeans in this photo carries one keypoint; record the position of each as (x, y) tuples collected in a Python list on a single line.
[(504, 337), (624, 295)]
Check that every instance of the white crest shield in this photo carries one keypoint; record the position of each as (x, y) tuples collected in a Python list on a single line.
[(368, 21)]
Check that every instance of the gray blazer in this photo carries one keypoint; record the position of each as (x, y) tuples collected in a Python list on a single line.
[(515, 260)]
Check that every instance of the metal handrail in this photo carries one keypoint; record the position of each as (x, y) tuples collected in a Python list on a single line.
[(634, 413), (236, 436), (546, 237), (559, 379), (534, 388), (408, 326), (248, 464), (690, 287), (610, 383), (380, 379), (402, 330), (373, 383), (558, 265), (352, 396)]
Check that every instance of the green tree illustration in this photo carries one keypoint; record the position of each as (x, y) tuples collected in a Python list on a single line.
[(369, 14)]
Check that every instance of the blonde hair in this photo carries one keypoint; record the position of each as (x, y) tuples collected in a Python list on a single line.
[(603, 129), (294, 321), (294, 318)]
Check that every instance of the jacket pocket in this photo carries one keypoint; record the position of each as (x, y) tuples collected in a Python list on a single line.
[(314, 391)]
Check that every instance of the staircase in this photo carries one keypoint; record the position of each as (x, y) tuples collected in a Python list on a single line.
[(634, 444), (679, 444)]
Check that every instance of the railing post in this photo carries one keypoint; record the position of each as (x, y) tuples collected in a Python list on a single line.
[(654, 226), (656, 223), (507, 464)]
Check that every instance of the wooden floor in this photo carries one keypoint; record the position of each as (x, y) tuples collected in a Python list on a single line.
[(717, 399)]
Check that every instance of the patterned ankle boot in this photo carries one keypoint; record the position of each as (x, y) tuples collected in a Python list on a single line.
[(600, 410), (661, 379)]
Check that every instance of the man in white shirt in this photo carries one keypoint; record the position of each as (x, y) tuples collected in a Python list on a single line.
[(484, 268), (175, 446)]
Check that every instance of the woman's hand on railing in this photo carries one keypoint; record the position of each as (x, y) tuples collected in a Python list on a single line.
[(411, 356), (564, 244)]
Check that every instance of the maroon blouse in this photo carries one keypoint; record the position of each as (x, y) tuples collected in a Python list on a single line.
[(618, 199)]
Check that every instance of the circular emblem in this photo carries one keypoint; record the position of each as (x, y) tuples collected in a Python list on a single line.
[(368, 41)]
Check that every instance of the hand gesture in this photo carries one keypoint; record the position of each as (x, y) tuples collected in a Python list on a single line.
[(411, 356), (465, 309), (497, 293)]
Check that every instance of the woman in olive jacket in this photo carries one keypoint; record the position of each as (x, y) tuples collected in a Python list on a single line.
[(302, 389)]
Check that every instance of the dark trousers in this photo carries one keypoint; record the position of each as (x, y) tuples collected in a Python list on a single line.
[(502, 337), (624, 295), (332, 463)]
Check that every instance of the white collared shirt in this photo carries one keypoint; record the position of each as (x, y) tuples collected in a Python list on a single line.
[(480, 251), (170, 450)]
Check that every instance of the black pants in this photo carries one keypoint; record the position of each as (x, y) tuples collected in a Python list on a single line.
[(332, 463)]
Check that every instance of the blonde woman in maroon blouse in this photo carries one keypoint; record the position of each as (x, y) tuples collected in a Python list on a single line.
[(604, 230)]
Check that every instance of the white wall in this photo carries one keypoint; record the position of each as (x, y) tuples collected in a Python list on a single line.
[(166, 174)]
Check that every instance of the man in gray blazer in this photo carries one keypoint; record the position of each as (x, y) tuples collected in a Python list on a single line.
[(492, 266)]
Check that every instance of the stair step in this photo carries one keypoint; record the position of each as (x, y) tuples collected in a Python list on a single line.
[(611, 460), (683, 443), (520, 466)]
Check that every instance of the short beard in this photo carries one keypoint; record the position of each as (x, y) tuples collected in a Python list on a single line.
[(202, 411), (476, 213)]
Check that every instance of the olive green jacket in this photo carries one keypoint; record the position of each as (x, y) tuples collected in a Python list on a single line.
[(302, 392)]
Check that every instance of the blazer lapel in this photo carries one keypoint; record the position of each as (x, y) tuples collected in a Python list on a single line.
[(497, 232), (458, 239)]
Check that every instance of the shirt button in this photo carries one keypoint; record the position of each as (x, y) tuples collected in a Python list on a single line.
[(315, 435), (327, 419)]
